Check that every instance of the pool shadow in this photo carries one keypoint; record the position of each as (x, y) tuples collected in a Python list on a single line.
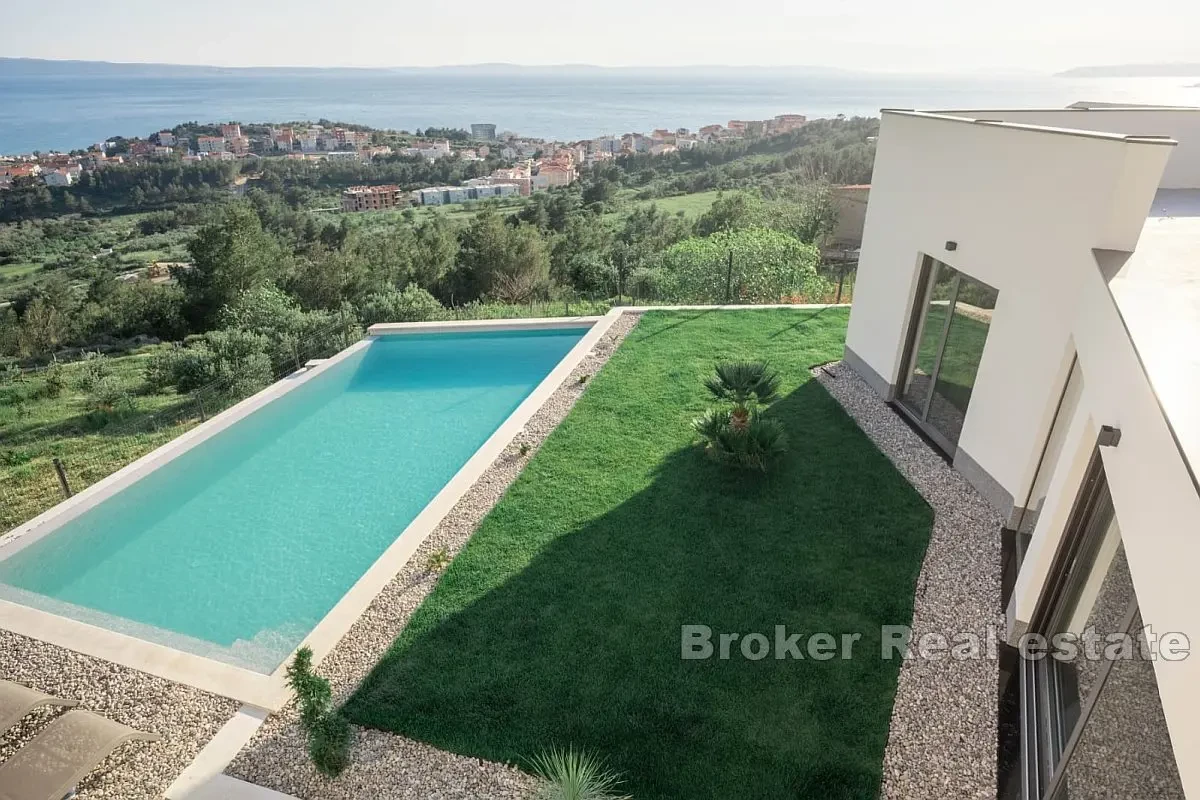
[(581, 645)]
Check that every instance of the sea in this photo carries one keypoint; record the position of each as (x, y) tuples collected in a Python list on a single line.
[(62, 105)]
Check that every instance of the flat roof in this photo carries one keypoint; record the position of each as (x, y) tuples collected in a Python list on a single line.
[(1157, 293), (960, 117)]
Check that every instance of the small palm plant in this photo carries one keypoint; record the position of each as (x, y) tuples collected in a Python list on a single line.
[(574, 775), (746, 384), (741, 435)]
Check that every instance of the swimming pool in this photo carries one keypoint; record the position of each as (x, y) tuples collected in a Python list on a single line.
[(238, 547)]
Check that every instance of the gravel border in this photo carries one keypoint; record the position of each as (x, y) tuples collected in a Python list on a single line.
[(187, 718), (385, 764), (943, 736)]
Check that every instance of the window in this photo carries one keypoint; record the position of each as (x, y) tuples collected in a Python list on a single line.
[(1092, 724), (949, 329)]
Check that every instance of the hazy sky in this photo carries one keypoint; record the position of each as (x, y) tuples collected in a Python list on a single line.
[(918, 35)]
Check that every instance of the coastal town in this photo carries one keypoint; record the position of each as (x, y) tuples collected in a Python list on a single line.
[(526, 164)]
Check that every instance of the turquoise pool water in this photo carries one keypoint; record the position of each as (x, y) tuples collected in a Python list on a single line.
[(237, 548)]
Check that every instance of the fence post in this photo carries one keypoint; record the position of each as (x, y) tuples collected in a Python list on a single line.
[(200, 403), (62, 477), (729, 279), (841, 280)]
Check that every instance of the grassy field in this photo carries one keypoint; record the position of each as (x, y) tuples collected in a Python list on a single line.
[(560, 622), (692, 205), (37, 425)]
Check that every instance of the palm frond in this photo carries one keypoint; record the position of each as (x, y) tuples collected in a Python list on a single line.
[(574, 775), (743, 381)]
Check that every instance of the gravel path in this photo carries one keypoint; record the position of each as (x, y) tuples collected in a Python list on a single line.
[(384, 764), (943, 736), (187, 718)]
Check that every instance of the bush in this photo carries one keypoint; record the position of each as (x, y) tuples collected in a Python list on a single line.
[(328, 731), (232, 363), (739, 435), (109, 394), (290, 333), (90, 371), (414, 304), (767, 267), (752, 445), (54, 380), (329, 744), (573, 775)]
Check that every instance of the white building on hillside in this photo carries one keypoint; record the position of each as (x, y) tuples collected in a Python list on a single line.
[(1028, 295)]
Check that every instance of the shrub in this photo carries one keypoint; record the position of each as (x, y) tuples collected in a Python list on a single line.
[(740, 435), (54, 380), (328, 731), (329, 744), (108, 394), (233, 363), (753, 445), (414, 304), (90, 370), (573, 775), (767, 267), (438, 561)]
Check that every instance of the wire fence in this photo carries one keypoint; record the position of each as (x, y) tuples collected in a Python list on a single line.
[(43, 464)]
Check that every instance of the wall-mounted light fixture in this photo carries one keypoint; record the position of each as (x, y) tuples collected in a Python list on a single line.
[(951, 246), (1109, 436)]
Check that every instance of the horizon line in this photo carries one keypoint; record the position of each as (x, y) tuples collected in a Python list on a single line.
[(514, 65)]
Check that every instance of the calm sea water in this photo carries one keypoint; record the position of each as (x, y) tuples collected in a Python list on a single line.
[(239, 547), (70, 106)]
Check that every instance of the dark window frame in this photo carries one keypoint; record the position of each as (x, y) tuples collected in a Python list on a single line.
[(912, 343)]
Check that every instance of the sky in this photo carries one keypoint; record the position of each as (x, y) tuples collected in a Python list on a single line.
[(887, 35)]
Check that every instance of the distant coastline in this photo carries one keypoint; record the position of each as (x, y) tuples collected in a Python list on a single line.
[(67, 105), (1175, 70)]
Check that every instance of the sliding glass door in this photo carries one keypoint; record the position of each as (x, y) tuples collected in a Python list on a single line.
[(1092, 724), (946, 338)]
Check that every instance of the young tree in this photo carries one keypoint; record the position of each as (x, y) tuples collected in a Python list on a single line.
[(500, 261), (731, 212), (43, 329), (229, 256)]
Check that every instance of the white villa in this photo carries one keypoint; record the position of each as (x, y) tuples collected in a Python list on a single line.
[(1065, 386)]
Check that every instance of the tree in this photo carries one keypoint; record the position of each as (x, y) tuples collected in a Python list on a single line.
[(506, 263), (731, 212), (229, 256), (414, 304), (806, 211), (754, 266), (435, 250), (43, 329)]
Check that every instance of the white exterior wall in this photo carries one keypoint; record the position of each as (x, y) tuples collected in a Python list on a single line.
[(1156, 504), (1026, 208), (1180, 124), (1027, 232)]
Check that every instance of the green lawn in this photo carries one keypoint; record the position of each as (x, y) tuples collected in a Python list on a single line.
[(559, 623)]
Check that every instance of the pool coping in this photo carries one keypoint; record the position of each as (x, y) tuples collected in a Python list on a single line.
[(259, 690)]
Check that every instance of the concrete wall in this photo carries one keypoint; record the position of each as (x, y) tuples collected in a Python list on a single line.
[(1180, 124), (1027, 232)]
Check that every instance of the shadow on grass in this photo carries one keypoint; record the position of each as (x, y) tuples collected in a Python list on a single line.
[(580, 645)]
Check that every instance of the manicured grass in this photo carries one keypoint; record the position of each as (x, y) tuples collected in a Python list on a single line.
[(560, 622)]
